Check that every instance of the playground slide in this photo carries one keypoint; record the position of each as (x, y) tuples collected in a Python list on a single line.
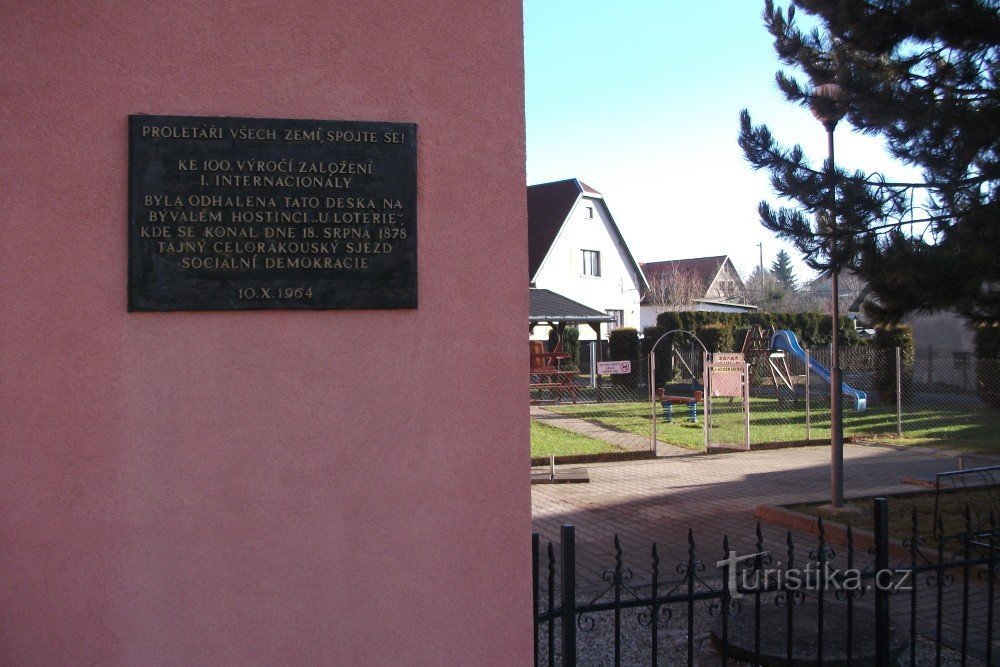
[(786, 341)]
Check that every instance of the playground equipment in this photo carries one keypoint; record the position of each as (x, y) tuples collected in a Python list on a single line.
[(668, 403), (785, 341), (767, 353), (764, 361)]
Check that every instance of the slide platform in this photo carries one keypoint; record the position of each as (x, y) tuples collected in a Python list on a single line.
[(786, 341)]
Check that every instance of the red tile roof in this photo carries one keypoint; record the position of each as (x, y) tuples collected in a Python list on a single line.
[(706, 268)]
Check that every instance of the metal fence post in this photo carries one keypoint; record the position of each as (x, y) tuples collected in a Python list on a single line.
[(899, 394), (808, 414), (593, 362), (567, 550), (706, 396), (651, 381), (881, 590), (746, 406), (534, 592)]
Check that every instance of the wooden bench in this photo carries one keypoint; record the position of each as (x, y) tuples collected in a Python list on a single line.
[(546, 374)]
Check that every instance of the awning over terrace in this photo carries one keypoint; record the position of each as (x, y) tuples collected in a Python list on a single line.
[(554, 310)]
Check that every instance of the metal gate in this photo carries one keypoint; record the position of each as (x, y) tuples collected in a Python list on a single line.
[(727, 401)]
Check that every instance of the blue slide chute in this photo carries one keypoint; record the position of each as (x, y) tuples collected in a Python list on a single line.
[(786, 341)]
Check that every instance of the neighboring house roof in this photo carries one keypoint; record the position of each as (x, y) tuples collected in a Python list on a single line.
[(547, 306), (705, 268), (549, 205), (727, 304)]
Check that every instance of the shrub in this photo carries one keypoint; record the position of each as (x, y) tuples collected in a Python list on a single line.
[(570, 345), (664, 365), (623, 344), (888, 339)]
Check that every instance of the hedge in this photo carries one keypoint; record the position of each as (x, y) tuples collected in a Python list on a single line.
[(623, 344), (812, 329), (664, 365)]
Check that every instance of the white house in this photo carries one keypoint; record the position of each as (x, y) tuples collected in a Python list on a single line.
[(576, 250)]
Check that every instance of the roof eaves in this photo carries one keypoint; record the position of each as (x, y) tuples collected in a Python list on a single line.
[(640, 274)]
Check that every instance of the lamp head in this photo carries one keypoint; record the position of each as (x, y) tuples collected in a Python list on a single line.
[(828, 104)]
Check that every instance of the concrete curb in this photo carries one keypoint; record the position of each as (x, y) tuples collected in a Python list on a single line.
[(607, 457), (833, 531)]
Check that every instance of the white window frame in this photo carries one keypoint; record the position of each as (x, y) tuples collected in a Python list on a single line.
[(591, 263)]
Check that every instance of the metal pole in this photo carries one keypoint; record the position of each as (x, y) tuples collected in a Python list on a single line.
[(568, 549), (836, 398), (593, 362), (651, 381), (881, 591), (761, 246), (706, 393), (899, 394), (746, 406), (808, 415)]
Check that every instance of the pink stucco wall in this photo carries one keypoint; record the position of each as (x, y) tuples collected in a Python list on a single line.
[(323, 486)]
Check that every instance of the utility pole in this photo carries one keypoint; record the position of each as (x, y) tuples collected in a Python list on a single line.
[(761, 246)]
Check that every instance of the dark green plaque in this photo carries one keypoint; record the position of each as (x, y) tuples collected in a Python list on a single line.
[(263, 213)]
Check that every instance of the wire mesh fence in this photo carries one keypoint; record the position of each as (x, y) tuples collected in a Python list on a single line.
[(617, 404), (947, 400), (939, 398)]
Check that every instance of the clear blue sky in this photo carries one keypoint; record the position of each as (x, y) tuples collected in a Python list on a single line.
[(641, 99)]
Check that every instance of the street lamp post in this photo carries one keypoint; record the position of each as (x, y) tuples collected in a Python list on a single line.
[(828, 107)]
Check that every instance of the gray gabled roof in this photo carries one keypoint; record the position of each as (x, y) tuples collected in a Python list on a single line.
[(547, 306)]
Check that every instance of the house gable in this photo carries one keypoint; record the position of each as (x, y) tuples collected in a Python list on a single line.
[(577, 250), (714, 278), (551, 206)]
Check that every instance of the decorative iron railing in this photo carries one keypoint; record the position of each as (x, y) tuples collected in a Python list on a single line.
[(859, 608)]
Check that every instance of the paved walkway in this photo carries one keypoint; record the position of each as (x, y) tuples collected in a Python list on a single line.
[(715, 495)]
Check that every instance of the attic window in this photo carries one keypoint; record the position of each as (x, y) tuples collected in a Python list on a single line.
[(591, 262), (588, 213)]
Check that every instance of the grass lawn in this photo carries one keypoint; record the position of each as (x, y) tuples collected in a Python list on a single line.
[(952, 510), (546, 440), (954, 427)]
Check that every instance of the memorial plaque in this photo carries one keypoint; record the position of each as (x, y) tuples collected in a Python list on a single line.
[(260, 213)]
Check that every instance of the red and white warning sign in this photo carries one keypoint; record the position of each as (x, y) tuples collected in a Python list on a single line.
[(614, 367)]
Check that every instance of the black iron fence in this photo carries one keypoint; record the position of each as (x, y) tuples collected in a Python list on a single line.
[(880, 602)]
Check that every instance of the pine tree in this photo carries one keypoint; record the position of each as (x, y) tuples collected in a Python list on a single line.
[(922, 75), (782, 269)]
